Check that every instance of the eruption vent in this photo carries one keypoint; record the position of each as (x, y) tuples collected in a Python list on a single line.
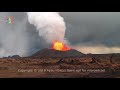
[(50, 25), (57, 45)]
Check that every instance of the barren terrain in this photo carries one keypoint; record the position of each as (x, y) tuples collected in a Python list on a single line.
[(83, 66)]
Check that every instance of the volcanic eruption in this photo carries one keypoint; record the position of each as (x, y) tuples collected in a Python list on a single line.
[(57, 45), (51, 27)]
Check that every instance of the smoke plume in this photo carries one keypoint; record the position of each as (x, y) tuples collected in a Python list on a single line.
[(22, 38), (50, 25), (33, 31)]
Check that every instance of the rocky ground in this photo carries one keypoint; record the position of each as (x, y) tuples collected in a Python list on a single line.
[(89, 66)]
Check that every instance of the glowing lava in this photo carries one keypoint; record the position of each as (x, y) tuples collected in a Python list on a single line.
[(57, 45)]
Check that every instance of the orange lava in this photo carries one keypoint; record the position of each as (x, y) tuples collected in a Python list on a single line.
[(57, 45)]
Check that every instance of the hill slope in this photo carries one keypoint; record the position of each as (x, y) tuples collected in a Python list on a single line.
[(55, 53)]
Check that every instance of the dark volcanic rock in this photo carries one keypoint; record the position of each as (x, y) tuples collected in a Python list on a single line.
[(106, 58), (14, 56), (57, 54)]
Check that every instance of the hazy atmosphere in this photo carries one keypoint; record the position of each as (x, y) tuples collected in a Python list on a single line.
[(87, 32)]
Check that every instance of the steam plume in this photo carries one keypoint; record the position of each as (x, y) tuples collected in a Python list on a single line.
[(50, 25), (20, 37)]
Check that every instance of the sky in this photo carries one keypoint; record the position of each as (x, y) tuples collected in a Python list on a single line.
[(93, 32), (87, 32)]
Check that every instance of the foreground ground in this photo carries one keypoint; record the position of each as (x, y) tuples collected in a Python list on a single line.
[(84, 67)]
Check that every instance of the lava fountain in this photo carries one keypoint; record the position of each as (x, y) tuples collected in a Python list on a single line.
[(57, 45)]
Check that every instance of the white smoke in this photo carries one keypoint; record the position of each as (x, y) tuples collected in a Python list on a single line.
[(50, 25), (20, 39), (13, 37)]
